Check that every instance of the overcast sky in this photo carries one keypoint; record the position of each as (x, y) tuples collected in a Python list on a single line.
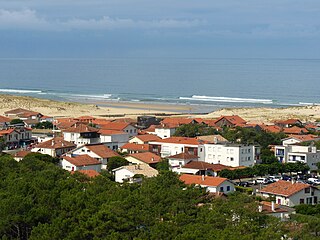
[(162, 28)]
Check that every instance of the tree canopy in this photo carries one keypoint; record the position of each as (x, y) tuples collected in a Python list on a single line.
[(39, 200)]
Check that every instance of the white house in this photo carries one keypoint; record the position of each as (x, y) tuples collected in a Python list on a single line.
[(291, 193), (212, 184), (114, 138), (181, 159), (80, 162), (54, 147), (275, 210), (298, 153), (131, 173), (233, 155), (99, 152), (175, 145), (81, 134), (165, 131)]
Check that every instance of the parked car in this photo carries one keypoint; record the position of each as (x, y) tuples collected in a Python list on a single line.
[(262, 181), (315, 181), (275, 178), (286, 178), (243, 184)]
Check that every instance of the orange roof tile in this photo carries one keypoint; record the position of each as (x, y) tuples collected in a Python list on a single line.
[(304, 138), (271, 128), (110, 132), (284, 188), (56, 143), (101, 150), (198, 180), (114, 125), (182, 140), (89, 172), (21, 154), (81, 128), (4, 119), (295, 130), (146, 157), (177, 121), (234, 119), (185, 156), (148, 137), (136, 147), (82, 160)]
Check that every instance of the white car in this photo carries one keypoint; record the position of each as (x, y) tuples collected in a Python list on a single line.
[(275, 178), (262, 180), (314, 180)]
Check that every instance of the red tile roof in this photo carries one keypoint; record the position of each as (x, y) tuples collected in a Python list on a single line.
[(234, 119), (90, 173), (136, 147), (185, 156), (101, 150), (146, 157), (206, 166), (267, 207), (295, 130), (182, 140), (120, 126), (291, 121), (271, 128), (198, 180), (148, 137), (110, 132), (177, 121), (284, 188), (19, 111), (4, 119), (81, 128), (81, 160), (304, 138), (56, 143), (21, 154)]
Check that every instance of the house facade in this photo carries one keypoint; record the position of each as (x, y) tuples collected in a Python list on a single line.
[(291, 193), (212, 184), (81, 134), (80, 162), (54, 147), (131, 173)]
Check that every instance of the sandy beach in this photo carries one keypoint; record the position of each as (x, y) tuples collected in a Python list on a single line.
[(126, 109)]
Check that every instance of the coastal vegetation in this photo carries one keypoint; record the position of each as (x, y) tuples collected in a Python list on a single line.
[(39, 200)]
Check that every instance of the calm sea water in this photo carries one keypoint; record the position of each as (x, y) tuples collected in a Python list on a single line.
[(206, 82)]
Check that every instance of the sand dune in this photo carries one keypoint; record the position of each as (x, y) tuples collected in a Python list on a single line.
[(112, 109)]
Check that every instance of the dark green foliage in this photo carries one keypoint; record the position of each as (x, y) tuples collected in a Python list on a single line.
[(16, 121), (193, 130), (44, 125), (38, 200), (115, 162), (163, 165), (42, 157)]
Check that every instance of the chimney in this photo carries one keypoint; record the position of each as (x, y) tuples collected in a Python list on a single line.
[(152, 159), (202, 177), (293, 181), (272, 206), (52, 143)]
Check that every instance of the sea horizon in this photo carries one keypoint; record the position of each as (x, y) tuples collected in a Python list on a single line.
[(205, 83)]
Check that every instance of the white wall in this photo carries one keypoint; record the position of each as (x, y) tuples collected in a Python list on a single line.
[(118, 139), (70, 167), (223, 185), (122, 174), (75, 138), (165, 132), (234, 156)]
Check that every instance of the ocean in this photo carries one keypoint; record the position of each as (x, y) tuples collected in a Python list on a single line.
[(207, 83)]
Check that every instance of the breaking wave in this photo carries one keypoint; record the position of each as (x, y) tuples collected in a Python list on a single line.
[(227, 99), (19, 91)]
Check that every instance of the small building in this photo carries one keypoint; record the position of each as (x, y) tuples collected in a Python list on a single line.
[(212, 184), (120, 126), (114, 138), (134, 173), (54, 147), (230, 121), (181, 159), (81, 134), (80, 162), (202, 168), (290, 194), (135, 148), (276, 210), (4, 122), (144, 122), (144, 158), (99, 152), (144, 139), (23, 114), (18, 156)]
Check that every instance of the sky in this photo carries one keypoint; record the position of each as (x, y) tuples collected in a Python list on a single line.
[(166, 28)]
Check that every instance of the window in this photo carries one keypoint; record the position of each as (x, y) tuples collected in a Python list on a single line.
[(231, 159), (228, 188), (221, 189), (301, 201), (249, 150), (248, 158), (82, 150), (309, 200), (307, 190)]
